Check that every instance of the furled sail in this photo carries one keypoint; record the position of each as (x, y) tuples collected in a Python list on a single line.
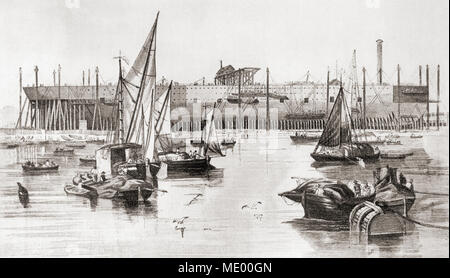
[(338, 127)]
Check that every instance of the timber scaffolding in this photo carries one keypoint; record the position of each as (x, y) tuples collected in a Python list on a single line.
[(67, 107), (376, 123)]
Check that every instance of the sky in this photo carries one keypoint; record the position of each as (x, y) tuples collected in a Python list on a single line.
[(289, 37)]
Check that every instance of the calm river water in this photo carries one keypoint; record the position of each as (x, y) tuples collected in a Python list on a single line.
[(255, 170)]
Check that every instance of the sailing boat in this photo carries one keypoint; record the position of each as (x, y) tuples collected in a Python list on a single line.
[(131, 147), (198, 161), (335, 143)]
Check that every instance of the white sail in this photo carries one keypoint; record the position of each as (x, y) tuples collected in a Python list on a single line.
[(139, 88), (162, 112)]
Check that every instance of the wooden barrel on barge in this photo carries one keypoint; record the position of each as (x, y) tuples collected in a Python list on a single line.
[(369, 220)]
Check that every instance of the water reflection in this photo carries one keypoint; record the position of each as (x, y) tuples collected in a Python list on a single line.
[(256, 169)]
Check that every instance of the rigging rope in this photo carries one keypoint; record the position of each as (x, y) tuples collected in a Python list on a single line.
[(418, 222), (431, 193)]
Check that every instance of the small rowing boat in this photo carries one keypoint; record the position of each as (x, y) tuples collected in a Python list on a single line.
[(197, 143), (80, 191), (87, 160), (76, 145), (392, 142), (39, 168), (304, 137), (416, 136), (62, 151), (228, 142)]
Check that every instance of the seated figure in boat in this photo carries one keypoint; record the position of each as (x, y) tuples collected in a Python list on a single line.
[(361, 189)]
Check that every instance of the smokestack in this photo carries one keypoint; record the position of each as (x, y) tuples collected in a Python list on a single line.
[(420, 75), (83, 77), (220, 63), (380, 61)]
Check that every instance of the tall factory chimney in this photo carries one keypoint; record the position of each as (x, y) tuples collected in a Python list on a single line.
[(380, 61), (20, 97), (220, 63), (36, 107)]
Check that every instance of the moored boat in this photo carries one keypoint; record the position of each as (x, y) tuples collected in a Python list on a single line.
[(336, 143), (415, 136), (327, 199), (393, 142), (39, 168), (197, 142), (63, 151), (12, 145), (71, 189), (228, 142), (393, 155), (76, 145), (393, 193), (304, 137), (88, 160), (183, 162)]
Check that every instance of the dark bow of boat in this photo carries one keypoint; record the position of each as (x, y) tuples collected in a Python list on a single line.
[(24, 198)]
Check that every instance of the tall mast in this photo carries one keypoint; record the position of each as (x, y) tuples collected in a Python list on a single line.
[(428, 96), (239, 101), (267, 101), (36, 107), (138, 103), (364, 99), (20, 97), (120, 106), (399, 97), (328, 89), (438, 94)]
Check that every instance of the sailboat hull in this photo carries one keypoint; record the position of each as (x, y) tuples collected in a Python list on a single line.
[(327, 157), (154, 168), (189, 164), (325, 207)]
